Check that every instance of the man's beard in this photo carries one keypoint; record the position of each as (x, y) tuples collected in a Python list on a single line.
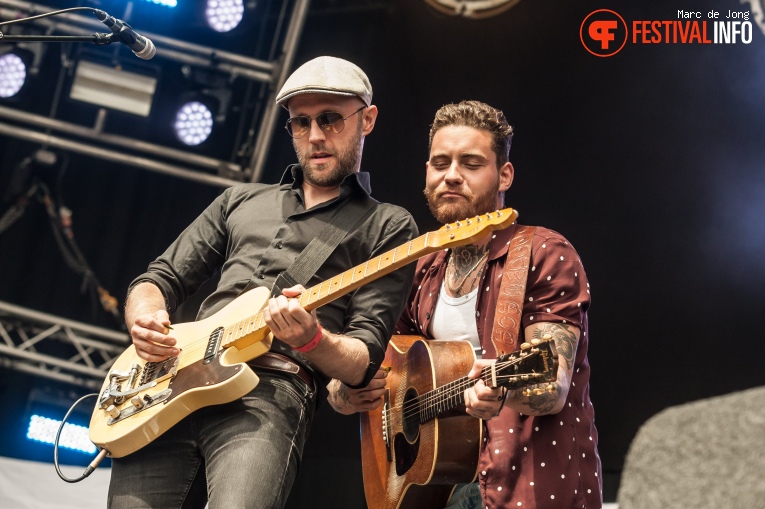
[(346, 163), (449, 212)]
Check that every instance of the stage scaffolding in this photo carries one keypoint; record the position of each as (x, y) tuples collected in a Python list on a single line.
[(142, 154), (57, 348), (68, 351)]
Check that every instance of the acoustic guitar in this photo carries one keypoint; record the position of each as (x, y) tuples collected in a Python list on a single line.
[(420, 443), (139, 400)]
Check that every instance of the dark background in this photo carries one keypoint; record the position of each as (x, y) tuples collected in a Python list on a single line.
[(650, 162)]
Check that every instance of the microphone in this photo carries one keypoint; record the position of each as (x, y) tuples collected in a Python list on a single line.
[(142, 46)]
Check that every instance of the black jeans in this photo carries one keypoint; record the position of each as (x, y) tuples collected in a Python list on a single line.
[(248, 451)]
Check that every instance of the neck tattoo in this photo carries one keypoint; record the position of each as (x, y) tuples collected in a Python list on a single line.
[(461, 265)]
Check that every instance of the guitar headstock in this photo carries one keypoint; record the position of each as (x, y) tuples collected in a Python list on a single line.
[(468, 230), (535, 363)]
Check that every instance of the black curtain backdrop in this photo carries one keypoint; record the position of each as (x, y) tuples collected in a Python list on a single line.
[(650, 162)]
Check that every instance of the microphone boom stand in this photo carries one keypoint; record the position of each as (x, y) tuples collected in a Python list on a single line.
[(98, 39)]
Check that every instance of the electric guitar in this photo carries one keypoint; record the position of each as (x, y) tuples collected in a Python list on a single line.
[(139, 400), (421, 442)]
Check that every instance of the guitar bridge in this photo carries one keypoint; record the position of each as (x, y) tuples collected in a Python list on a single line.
[(138, 405), (386, 424), (125, 386)]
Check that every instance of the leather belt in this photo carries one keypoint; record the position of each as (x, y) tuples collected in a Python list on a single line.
[(272, 361)]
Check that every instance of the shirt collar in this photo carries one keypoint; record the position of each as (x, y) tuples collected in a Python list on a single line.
[(500, 241), (359, 181)]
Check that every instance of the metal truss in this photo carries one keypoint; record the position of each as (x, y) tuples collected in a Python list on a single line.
[(57, 348), (145, 155)]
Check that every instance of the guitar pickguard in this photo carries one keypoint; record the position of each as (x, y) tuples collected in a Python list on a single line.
[(405, 453), (200, 374)]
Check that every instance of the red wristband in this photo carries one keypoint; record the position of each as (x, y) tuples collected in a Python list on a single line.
[(311, 344)]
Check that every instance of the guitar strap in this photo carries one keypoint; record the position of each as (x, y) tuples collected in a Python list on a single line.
[(507, 318), (343, 221)]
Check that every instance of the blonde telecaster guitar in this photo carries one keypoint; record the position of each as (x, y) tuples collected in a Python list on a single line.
[(141, 400)]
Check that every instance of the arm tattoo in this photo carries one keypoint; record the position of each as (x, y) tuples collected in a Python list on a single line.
[(565, 340), (343, 395), (565, 343)]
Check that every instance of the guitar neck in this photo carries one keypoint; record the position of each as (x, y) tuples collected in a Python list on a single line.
[(343, 283), (372, 269), (537, 364), (448, 397)]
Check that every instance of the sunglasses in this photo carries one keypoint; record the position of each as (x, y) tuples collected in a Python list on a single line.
[(327, 121)]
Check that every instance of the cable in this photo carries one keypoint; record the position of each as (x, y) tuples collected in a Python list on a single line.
[(39, 16), (61, 226), (93, 464), (17, 209)]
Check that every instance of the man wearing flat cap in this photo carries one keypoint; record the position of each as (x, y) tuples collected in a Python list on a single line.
[(246, 453)]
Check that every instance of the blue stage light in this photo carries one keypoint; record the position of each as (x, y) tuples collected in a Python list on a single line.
[(74, 437), (166, 3)]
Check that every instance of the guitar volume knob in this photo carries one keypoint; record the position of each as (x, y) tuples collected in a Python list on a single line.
[(112, 411)]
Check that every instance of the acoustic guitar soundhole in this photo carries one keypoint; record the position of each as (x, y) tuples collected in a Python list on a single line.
[(407, 445)]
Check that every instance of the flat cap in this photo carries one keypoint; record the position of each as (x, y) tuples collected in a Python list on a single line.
[(327, 75)]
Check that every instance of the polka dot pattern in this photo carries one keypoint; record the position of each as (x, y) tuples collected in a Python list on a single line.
[(534, 462)]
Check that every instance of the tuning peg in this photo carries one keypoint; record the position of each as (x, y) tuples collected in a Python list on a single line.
[(536, 342), (550, 387), (538, 391), (525, 346), (527, 392), (546, 337)]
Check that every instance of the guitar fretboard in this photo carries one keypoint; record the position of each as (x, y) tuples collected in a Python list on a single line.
[(511, 372), (447, 397)]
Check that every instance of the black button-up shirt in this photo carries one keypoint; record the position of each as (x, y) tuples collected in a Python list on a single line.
[(253, 232)]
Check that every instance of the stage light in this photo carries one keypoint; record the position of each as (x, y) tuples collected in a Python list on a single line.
[(74, 437), (113, 88), (13, 75), (166, 3), (193, 123), (224, 15)]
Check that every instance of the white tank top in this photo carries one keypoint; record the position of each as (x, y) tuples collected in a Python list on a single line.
[(454, 318)]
